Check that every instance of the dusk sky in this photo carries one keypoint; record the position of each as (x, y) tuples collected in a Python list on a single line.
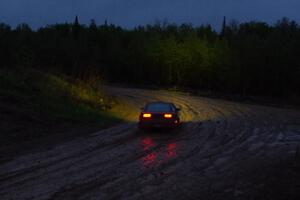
[(129, 13)]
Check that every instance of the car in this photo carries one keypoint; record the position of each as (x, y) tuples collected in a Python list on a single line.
[(159, 115)]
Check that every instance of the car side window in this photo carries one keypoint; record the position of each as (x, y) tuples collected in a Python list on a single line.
[(173, 107)]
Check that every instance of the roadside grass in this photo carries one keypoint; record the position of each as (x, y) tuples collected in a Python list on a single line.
[(35, 105)]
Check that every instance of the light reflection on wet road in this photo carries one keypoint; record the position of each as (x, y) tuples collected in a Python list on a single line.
[(157, 156)]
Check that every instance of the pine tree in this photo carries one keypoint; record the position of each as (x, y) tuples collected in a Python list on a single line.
[(93, 25), (76, 27), (223, 27)]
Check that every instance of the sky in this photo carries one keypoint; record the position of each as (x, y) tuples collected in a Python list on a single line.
[(131, 13)]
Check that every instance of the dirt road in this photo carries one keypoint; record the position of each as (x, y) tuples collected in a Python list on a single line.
[(223, 151)]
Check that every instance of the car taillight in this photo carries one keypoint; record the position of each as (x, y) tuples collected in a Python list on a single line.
[(147, 115), (167, 115)]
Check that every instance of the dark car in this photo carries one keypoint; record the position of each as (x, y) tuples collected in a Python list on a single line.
[(158, 115)]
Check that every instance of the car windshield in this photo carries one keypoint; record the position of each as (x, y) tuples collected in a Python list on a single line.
[(159, 107)]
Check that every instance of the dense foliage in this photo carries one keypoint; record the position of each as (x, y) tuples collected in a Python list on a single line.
[(248, 58)]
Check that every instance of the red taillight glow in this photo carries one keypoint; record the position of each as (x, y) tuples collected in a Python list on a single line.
[(147, 115), (168, 115)]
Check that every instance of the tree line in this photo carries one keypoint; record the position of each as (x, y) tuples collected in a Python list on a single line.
[(247, 58)]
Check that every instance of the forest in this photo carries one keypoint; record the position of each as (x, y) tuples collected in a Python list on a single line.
[(252, 58)]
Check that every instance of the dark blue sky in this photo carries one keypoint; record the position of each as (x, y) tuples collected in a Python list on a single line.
[(129, 13)]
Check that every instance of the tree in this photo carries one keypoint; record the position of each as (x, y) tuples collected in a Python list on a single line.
[(93, 25), (223, 31), (76, 28)]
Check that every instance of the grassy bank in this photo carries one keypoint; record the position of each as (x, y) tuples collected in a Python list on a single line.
[(35, 105)]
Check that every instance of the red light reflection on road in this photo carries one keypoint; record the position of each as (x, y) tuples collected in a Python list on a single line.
[(149, 160), (171, 150), (147, 143), (158, 155)]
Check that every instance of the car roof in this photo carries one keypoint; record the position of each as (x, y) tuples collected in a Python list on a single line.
[(159, 102)]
